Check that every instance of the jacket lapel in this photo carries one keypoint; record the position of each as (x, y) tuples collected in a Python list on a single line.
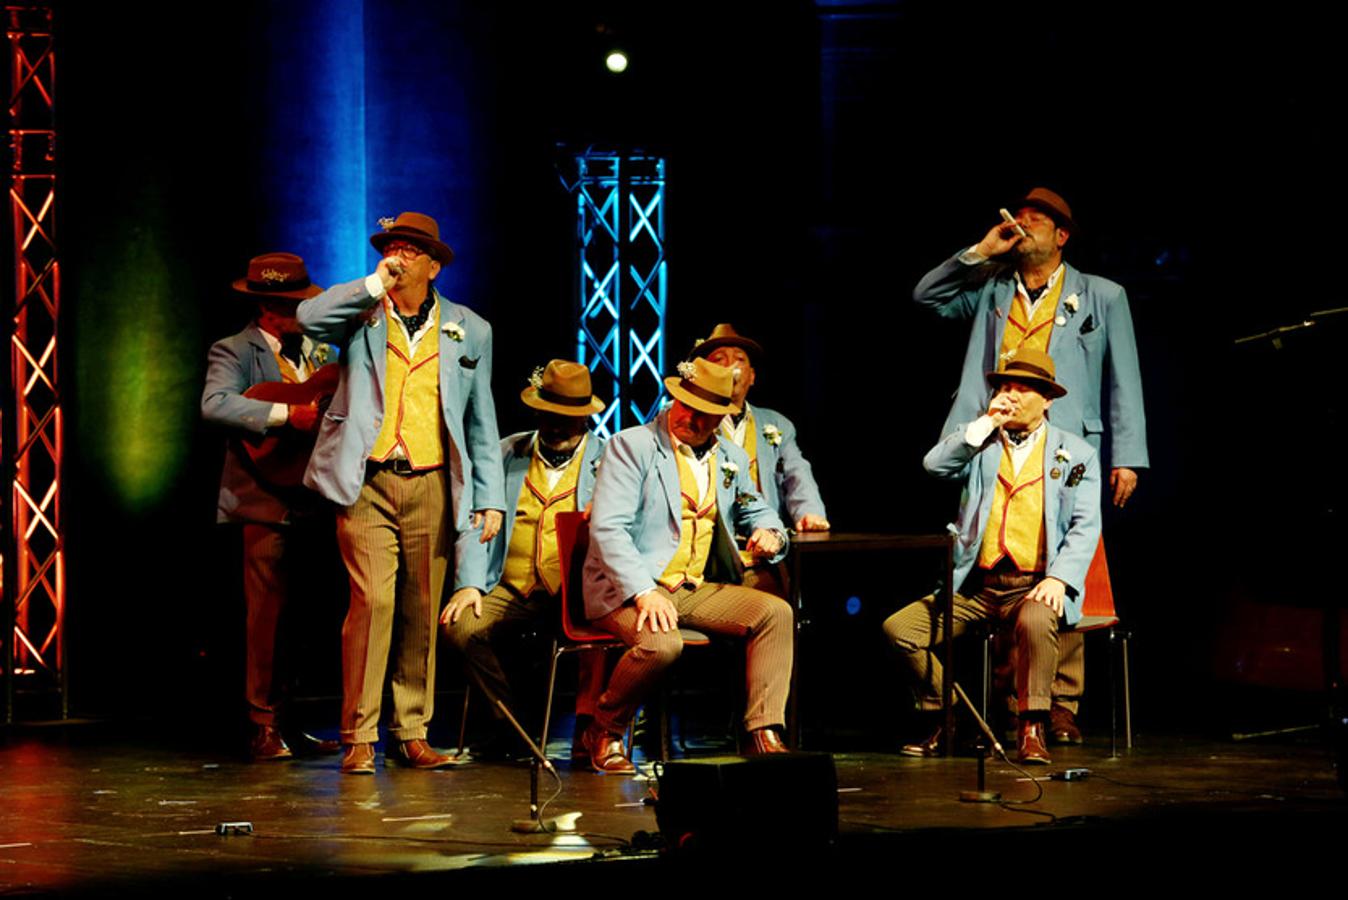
[(376, 344), (450, 351), (264, 360), (667, 466), (1052, 488)]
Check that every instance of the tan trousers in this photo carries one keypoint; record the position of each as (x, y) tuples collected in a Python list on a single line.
[(916, 629), (503, 610), (395, 540), (728, 609), (265, 582)]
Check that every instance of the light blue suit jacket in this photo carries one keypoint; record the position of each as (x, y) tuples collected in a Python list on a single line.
[(347, 315), (1071, 514), (235, 364), (788, 480), (636, 521), (480, 565), (1096, 343)]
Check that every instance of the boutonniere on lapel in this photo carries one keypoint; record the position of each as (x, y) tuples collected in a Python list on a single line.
[(1061, 456), (1078, 472), (772, 434), (728, 471), (744, 498), (373, 315), (1071, 304), (321, 356), (454, 330)]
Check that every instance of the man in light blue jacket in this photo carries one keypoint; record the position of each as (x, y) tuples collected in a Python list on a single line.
[(780, 471), (407, 449), (668, 502), (271, 349), (1028, 526)]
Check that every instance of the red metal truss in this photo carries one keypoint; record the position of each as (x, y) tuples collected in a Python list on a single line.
[(32, 577)]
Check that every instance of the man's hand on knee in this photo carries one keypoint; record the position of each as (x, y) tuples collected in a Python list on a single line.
[(1049, 592), (462, 599), (656, 609)]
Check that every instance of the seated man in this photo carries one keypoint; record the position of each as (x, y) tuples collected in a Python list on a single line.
[(1027, 530), (778, 469), (547, 471), (668, 498)]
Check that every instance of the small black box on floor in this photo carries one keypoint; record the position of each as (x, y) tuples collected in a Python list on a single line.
[(722, 803)]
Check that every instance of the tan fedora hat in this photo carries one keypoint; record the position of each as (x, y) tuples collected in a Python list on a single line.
[(562, 387), (1053, 205), (704, 386), (725, 335), (278, 276), (1033, 367), (415, 228)]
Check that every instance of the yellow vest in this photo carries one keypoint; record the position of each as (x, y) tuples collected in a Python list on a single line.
[(532, 557), (698, 526), (1036, 332), (1016, 520), (750, 446), (412, 398)]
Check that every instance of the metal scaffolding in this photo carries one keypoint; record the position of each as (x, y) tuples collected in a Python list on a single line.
[(620, 209), (32, 573)]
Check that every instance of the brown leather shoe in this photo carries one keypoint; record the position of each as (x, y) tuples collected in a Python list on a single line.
[(1030, 747), (763, 741), (1062, 727), (607, 756), (304, 744), (417, 754), (358, 759), (267, 745), (928, 748)]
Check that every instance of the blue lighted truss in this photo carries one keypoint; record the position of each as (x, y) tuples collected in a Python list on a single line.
[(620, 210)]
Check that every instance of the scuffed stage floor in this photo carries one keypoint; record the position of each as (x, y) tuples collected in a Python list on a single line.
[(82, 813)]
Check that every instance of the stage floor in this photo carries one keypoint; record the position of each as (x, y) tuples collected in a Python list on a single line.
[(88, 812)]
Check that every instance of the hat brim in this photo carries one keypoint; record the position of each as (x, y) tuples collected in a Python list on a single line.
[(701, 404), (241, 286), (440, 252), (531, 399), (710, 346), (1050, 389)]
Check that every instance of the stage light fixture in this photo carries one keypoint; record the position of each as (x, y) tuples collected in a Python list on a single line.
[(616, 61)]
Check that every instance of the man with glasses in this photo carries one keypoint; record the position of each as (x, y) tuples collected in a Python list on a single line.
[(408, 448)]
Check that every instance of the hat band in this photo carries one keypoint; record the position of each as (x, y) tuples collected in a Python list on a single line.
[(277, 287), (704, 393), (545, 394), (1026, 369)]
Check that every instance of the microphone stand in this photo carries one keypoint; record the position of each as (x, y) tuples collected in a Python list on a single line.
[(987, 740), (566, 822)]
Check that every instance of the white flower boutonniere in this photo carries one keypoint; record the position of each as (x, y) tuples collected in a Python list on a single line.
[(729, 470), (454, 330), (1062, 455), (1072, 303), (773, 434)]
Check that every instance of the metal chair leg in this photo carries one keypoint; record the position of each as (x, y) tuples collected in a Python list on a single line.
[(987, 676), (1113, 698), (463, 721), (1127, 698)]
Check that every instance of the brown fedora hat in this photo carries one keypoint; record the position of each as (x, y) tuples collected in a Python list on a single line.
[(1051, 203), (278, 276), (704, 386), (562, 387), (1032, 367), (415, 228), (724, 335)]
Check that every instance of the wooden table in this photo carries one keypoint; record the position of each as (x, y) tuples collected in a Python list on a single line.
[(813, 543)]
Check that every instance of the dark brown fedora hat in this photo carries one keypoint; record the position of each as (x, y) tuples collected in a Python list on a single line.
[(1029, 366), (725, 335), (563, 388), (1053, 205), (415, 228), (278, 276)]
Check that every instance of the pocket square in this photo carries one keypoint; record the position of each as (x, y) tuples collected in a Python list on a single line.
[(468, 363), (1089, 325)]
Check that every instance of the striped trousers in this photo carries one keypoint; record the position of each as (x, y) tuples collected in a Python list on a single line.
[(395, 540), (729, 609), (916, 629)]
